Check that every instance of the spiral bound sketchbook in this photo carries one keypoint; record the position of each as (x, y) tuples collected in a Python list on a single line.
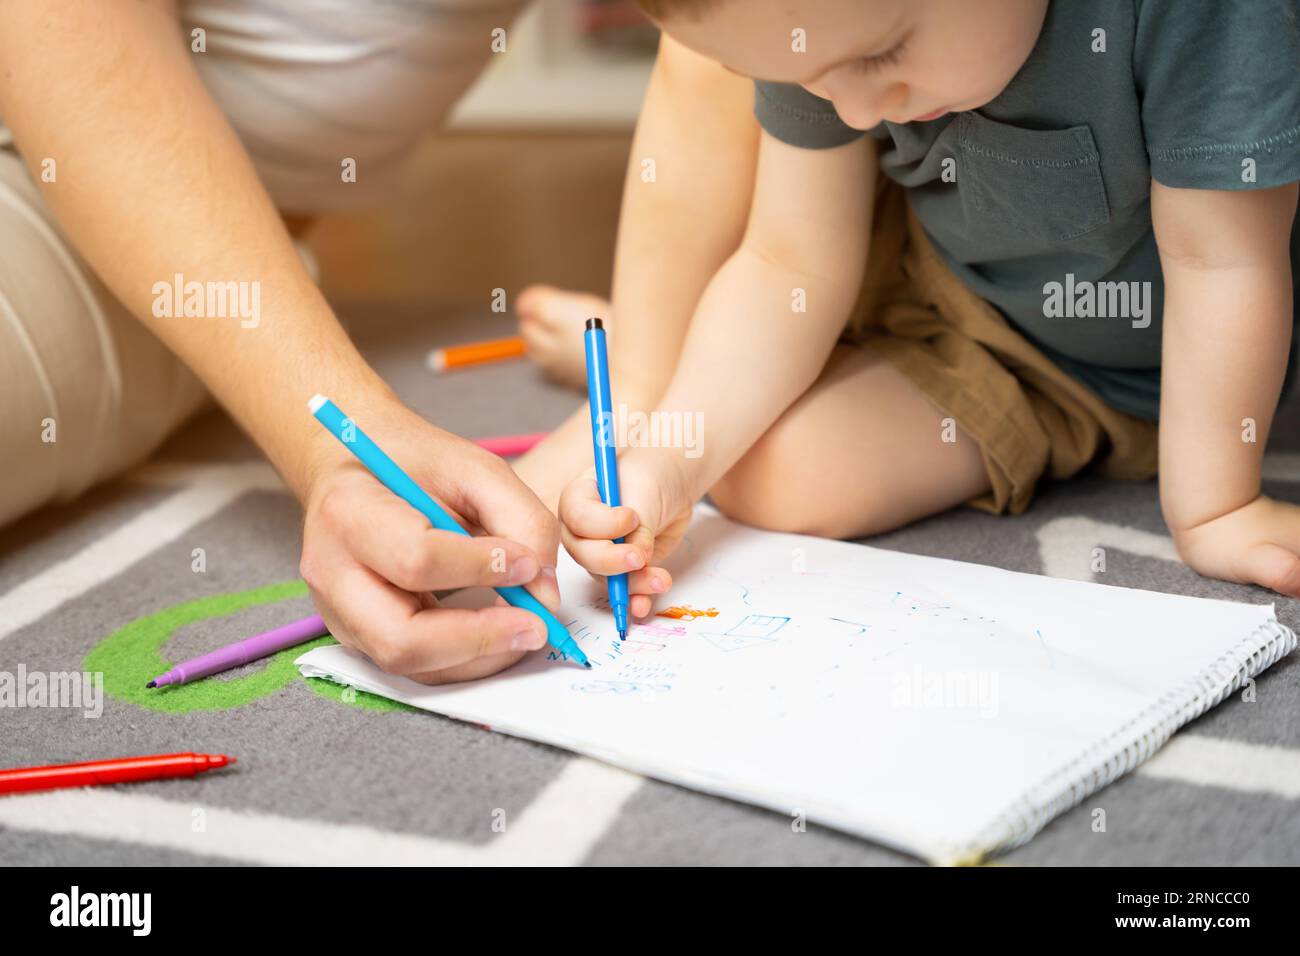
[(949, 710)]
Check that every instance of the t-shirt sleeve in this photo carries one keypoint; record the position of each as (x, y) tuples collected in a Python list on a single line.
[(1219, 82), (793, 115)]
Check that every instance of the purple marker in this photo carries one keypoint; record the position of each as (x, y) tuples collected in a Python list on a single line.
[(241, 652)]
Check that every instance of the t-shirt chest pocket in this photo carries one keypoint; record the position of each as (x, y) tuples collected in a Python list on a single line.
[(1018, 184)]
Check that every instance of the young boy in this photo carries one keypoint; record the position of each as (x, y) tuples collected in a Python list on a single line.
[(1097, 236)]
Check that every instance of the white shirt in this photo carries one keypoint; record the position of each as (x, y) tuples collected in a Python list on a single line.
[(309, 83)]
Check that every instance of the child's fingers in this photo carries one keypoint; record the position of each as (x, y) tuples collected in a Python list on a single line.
[(649, 581), (643, 540), (645, 585), (1273, 567), (583, 513), (600, 556)]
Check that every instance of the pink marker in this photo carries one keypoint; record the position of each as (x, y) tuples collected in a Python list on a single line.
[(242, 652), (507, 446)]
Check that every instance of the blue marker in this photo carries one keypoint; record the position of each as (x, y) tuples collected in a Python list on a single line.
[(606, 449), (400, 484)]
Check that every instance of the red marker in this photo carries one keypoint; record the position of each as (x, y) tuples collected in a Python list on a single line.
[(124, 770)]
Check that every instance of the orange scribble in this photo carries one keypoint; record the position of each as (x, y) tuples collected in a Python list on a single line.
[(685, 612)]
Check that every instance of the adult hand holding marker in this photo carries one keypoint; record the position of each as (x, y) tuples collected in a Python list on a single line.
[(401, 484), (371, 559)]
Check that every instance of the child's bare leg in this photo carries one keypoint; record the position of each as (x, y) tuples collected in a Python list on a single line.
[(860, 453)]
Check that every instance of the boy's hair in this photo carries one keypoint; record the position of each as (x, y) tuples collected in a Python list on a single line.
[(658, 9)]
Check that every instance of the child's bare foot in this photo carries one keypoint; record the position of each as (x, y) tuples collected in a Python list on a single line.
[(551, 322)]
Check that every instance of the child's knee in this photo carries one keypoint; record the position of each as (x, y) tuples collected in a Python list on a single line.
[(779, 486)]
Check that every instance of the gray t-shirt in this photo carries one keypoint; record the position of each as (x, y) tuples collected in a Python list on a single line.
[(1040, 200)]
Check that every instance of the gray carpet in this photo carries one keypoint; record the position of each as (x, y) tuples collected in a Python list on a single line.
[(326, 779)]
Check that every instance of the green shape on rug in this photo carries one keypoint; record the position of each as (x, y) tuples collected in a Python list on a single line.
[(132, 656), (351, 695)]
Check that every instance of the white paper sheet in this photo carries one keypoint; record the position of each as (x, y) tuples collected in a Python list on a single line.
[(943, 708)]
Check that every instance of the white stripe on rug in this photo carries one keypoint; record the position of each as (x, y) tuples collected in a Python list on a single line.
[(1227, 764), (560, 827), (211, 488), (1065, 546)]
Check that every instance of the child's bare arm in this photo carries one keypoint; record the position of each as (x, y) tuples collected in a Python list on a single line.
[(758, 340), (681, 216), (690, 177), (1227, 332), (769, 319)]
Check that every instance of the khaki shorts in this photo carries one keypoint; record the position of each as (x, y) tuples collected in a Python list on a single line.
[(1029, 417)]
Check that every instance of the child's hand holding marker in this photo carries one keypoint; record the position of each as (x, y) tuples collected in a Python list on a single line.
[(654, 515), (605, 536)]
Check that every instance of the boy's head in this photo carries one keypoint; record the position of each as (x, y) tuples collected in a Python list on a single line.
[(896, 60)]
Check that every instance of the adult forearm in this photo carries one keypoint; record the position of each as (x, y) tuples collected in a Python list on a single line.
[(157, 193)]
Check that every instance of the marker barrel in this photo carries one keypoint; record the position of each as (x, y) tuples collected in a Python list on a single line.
[(477, 353), (123, 770), (605, 447), (243, 652)]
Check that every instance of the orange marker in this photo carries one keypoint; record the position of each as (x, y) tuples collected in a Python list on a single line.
[(476, 353), (124, 770)]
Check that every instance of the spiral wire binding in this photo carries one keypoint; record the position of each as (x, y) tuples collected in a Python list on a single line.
[(1130, 745)]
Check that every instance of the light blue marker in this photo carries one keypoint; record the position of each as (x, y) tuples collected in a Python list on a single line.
[(400, 484), (606, 449)]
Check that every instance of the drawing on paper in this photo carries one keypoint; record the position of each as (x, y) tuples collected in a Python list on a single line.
[(642, 647), (653, 630), (619, 687), (753, 630), (759, 625), (685, 612)]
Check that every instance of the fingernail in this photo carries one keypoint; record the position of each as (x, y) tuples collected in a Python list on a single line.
[(523, 570), (634, 560), (527, 641), (548, 572), (656, 584)]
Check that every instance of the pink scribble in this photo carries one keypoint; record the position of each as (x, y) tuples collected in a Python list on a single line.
[(659, 630)]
